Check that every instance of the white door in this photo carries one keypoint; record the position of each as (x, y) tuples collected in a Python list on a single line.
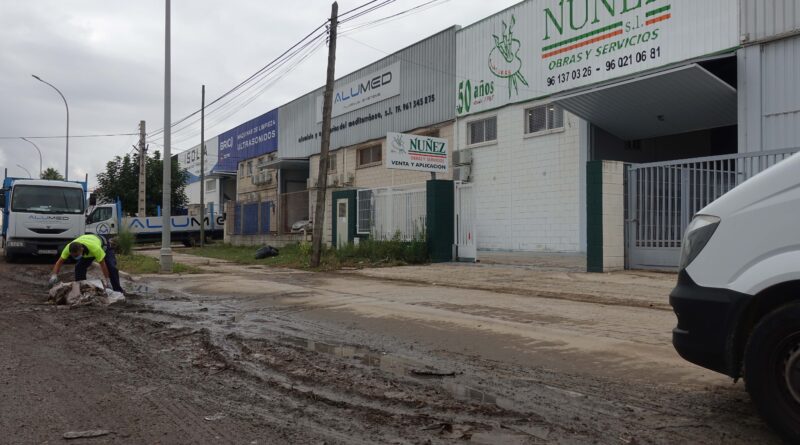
[(466, 244), (342, 234)]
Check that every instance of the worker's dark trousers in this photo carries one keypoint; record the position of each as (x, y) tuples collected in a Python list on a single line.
[(111, 263)]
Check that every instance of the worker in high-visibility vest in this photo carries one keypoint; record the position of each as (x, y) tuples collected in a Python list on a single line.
[(86, 249)]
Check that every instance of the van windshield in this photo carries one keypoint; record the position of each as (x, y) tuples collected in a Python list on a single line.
[(45, 199)]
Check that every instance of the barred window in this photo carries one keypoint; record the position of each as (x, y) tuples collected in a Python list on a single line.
[(211, 185), (370, 156), (484, 130), (543, 117), (331, 162)]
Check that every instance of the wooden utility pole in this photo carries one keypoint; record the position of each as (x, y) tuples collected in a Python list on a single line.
[(203, 167), (142, 171), (322, 177)]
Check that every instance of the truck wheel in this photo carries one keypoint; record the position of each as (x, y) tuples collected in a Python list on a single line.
[(772, 370)]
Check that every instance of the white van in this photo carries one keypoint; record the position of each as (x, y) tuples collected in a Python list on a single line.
[(738, 293)]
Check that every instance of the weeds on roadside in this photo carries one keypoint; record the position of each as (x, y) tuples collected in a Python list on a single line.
[(125, 241)]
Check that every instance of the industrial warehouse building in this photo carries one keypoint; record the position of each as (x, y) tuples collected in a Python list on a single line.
[(647, 83), (594, 128)]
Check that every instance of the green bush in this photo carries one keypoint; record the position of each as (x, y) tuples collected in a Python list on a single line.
[(125, 241), (391, 251)]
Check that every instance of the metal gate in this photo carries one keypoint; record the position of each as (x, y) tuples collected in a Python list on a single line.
[(663, 197), (464, 200)]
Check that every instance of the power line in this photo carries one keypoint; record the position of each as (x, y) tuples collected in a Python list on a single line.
[(280, 57), (71, 136)]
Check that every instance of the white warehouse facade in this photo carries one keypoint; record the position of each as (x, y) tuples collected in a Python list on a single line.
[(603, 126)]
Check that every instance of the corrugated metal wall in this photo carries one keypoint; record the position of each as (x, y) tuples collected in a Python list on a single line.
[(762, 19), (769, 100), (781, 95), (427, 69)]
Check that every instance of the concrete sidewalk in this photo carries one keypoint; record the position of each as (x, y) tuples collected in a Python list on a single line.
[(628, 288)]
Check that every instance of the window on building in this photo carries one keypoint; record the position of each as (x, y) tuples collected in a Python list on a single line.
[(241, 171), (484, 130), (249, 168), (332, 162), (370, 156), (211, 185), (543, 117)]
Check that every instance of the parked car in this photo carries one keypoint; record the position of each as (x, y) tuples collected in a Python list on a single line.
[(304, 225), (738, 293)]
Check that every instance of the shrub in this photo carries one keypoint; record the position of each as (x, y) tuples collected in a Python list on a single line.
[(125, 241)]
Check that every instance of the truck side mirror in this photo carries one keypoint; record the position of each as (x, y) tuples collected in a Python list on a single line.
[(92, 199), (3, 198)]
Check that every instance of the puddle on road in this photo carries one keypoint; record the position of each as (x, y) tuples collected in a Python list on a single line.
[(229, 318), (402, 366)]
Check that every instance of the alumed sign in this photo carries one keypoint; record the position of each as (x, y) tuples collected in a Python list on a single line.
[(419, 153), (368, 90), (543, 47), (251, 139)]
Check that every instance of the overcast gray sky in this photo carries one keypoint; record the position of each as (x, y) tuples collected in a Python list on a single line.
[(107, 58)]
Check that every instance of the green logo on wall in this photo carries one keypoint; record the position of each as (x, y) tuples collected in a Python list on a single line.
[(504, 61)]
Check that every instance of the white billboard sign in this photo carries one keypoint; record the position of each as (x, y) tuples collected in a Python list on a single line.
[(419, 153), (543, 47), (190, 159), (378, 86)]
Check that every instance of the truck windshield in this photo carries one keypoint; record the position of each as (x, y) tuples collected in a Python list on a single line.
[(46, 199)]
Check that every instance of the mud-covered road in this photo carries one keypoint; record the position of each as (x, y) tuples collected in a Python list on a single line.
[(284, 357)]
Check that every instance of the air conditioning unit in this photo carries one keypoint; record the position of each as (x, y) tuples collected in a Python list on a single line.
[(351, 178), (267, 177), (333, 180), (462, 173), (462, 157)]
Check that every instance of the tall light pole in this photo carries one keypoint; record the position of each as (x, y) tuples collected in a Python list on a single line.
[(66, 164), (166, 205), (26, 171), (40, 154)]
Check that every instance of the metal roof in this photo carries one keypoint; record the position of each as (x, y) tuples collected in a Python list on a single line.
[(675, 101)]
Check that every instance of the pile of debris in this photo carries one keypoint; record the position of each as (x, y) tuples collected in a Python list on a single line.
[(84, 293)]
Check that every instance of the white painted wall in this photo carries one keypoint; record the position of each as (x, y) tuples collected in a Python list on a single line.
[(528, 187)]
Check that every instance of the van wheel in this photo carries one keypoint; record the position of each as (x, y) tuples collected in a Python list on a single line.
[(772, 370)]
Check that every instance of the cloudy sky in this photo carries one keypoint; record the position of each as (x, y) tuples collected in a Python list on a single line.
[(107, 58)]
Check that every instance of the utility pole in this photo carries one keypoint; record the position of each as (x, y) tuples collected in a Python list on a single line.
[(166, 185), (322, 181), (203, 167), (142, 170)]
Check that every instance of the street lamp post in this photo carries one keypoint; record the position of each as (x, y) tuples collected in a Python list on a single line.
[(26, 171), (66, 166), (40, 154)]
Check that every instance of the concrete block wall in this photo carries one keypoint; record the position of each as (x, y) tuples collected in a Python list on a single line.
[(527, 186)]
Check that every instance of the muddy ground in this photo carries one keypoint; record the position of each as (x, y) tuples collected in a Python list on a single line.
[(185, 362)]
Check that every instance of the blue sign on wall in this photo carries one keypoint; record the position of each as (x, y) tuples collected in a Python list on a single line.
[(251, 139)]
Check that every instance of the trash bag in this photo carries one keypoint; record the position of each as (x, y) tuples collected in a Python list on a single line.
[(266, 252)]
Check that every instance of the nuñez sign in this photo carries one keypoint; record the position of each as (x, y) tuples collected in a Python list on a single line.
[(419, 153)]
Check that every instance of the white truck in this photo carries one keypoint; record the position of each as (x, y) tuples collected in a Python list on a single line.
[(40, 216), (107, 219), (738, 294)]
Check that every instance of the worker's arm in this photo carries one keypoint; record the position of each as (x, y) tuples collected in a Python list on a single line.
[(105, 271), (57, 266)]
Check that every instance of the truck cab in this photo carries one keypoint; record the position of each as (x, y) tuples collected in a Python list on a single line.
[(40, 216), (738, 294)]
